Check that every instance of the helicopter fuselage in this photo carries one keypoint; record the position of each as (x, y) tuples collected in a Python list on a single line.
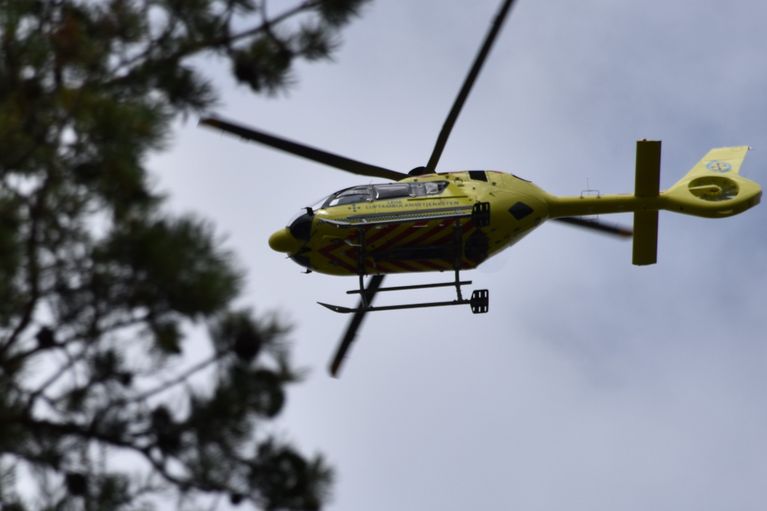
[(423, 223)]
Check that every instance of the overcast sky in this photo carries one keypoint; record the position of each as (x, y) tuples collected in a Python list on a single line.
[(591, 384)]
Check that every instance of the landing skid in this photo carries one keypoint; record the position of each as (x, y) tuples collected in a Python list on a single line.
[(479, 301)]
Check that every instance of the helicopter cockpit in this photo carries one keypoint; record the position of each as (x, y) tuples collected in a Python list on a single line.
[(301, 224), (386, 191)]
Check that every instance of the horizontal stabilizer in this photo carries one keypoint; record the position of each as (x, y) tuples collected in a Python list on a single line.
[(647, 186), (645, 238), (647, 179)]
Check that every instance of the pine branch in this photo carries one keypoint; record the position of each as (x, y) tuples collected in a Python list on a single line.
[(193, 47), (170, 384), (36, 213)]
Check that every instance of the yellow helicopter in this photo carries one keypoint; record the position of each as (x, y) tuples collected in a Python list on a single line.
[(429, 221)]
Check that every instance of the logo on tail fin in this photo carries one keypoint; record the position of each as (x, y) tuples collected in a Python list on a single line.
[(719, 166)]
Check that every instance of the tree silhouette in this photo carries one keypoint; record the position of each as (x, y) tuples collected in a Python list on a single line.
[(101, 290)]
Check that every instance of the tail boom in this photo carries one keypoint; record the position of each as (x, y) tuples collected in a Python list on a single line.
[(713, 188)]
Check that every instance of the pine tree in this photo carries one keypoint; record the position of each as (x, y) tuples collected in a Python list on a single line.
[(101, 408)]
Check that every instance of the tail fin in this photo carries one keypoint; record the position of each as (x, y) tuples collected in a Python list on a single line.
[(714, 187), (647, 185)]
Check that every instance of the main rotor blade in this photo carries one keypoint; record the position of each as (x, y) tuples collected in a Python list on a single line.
[(305, 151), (468, 83), (601, 227), (351, 331)]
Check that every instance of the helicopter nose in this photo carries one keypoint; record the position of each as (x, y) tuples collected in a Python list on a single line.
[(284, 241)]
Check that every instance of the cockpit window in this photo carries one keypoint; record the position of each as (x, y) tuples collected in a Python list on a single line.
[(428, 188), (384, 192), (350, 196), (392, 191)]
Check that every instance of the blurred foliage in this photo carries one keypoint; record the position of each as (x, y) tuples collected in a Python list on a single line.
[(101, 406)]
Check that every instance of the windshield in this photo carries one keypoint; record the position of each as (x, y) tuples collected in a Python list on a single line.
[(350, 196), (386, 191)]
